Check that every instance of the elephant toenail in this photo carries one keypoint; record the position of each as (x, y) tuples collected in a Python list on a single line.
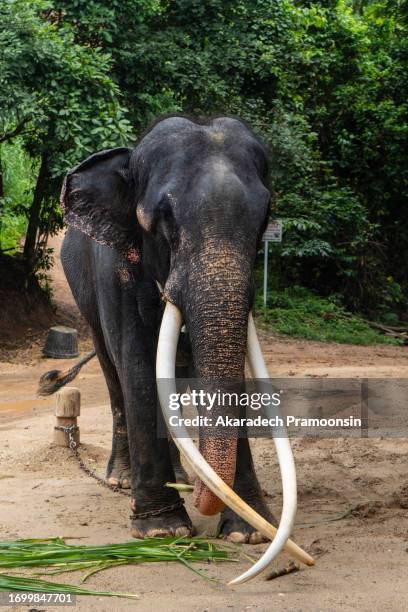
[(256, 538), (157, 533), (237, 537), (183, 531)]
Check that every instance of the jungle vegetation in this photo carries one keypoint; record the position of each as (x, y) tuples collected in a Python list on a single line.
[(324, 83)]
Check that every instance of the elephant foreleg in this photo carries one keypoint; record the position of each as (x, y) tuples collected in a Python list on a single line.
[(157, 509)]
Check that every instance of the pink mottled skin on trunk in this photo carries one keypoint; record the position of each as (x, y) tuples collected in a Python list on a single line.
[(221, 455)]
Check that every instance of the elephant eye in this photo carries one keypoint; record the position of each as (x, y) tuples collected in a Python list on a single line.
[(165, 208), (165, 218)]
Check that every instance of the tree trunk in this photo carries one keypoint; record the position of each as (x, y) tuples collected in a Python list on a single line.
[(35, 210)]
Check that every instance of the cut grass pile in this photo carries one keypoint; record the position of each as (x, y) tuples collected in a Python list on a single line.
[(56, 557), (36, 585)]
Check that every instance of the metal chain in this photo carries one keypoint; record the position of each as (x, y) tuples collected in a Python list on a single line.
[(142, 515), (70, 430)]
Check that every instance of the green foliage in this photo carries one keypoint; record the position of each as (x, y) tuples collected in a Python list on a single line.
[(63, 88), (324, 83), (19, 173), (59, 98), (301, 313)]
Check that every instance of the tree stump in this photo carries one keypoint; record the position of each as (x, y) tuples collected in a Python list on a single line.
[(67, 409)]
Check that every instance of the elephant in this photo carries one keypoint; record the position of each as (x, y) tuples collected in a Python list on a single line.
[(174, 222)]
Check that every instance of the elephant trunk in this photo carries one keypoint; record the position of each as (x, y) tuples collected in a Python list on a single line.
[(216, 313)]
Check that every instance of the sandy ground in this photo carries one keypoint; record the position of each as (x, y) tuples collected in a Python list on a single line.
[(362, 558)]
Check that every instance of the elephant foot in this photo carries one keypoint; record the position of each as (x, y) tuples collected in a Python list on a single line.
[(119, 478), (118, 470), (234, 529), (174, 523)]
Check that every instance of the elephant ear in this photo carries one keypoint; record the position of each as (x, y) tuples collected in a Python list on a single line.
[(97, 198)]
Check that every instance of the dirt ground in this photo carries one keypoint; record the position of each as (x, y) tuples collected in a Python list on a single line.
[(353, 493)]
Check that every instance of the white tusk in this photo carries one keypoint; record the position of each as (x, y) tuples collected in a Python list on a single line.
[(160, 288), (165, 373), (286, 464)]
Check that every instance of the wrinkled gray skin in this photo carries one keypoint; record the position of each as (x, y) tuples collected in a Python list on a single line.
[(186, 208)]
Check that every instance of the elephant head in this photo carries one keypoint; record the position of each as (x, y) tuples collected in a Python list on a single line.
[(190, 202)]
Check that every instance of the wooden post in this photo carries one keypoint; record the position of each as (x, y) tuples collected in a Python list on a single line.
[(67, 409)]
